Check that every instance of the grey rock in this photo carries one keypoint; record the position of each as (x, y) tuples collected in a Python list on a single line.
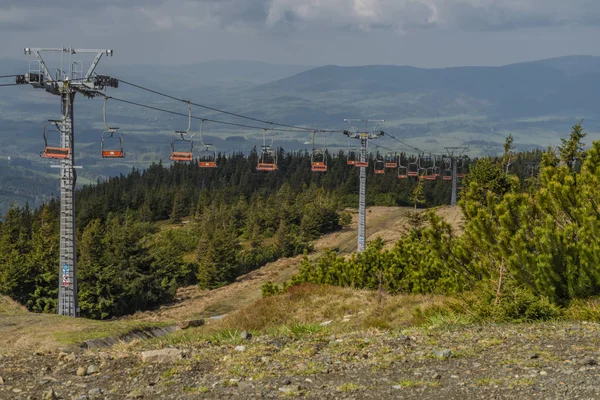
[(162, 356), (589, 361), (436, 376), (290, 389), (443, 353), (70, 357), (246, 335), (92, 369), (82, 397), (534, 356), (240, 348), (96, 392), (287, 382)]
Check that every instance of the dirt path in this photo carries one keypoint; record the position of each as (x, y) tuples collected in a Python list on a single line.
[(388, 223)]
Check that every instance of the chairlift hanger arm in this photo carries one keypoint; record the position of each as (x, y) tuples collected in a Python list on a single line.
[(108, 128)]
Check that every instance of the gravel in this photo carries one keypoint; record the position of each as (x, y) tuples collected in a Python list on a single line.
[(459, 362)]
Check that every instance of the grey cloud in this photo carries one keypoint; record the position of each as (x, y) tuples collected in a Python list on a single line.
[(355, 15)]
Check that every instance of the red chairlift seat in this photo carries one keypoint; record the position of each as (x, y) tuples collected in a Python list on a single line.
[(266, 167), (207, 164), (391, 165), (181, 156), (380, 171), (113, 154), (402, 173), (60, 153), (361, 164), (319, 167)]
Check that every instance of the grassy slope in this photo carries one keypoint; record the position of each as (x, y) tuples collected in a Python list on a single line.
[(21, 329)]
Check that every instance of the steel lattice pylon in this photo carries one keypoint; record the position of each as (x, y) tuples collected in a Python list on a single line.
[(364, 137), (66, 85), (67, 293)]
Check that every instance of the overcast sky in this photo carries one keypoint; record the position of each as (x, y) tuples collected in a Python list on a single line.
[(425, 33)]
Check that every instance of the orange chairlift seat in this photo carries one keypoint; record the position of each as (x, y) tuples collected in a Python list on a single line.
[(182, 147), (55, 152), (318, 157), (268, 158), (111, 134), (208, 157)]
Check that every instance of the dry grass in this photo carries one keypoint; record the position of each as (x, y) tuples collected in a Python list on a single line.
[(347, 309), (21, 330)]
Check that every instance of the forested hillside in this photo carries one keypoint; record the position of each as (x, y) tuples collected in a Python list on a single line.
[(528, 247), (143, 235)]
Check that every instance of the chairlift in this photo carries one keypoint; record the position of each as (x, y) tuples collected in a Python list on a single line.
[(182, 147), (268, 158), (422, 169), (207, 158), (318, 158), (433, 171), (111, 134), (379, 166), (55, 152), (413, 168), (391, 161), (402, 170), (447, 173), (353, 154)]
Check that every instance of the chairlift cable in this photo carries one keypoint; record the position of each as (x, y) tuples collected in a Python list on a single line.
[(194, 117), (221, 111)]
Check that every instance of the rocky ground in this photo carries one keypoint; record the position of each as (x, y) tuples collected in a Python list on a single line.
[(517, 361)]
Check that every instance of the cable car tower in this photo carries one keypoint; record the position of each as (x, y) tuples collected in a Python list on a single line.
[(364, 136), (66, 84)]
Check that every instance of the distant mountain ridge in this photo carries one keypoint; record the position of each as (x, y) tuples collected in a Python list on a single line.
[(566, 84)]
